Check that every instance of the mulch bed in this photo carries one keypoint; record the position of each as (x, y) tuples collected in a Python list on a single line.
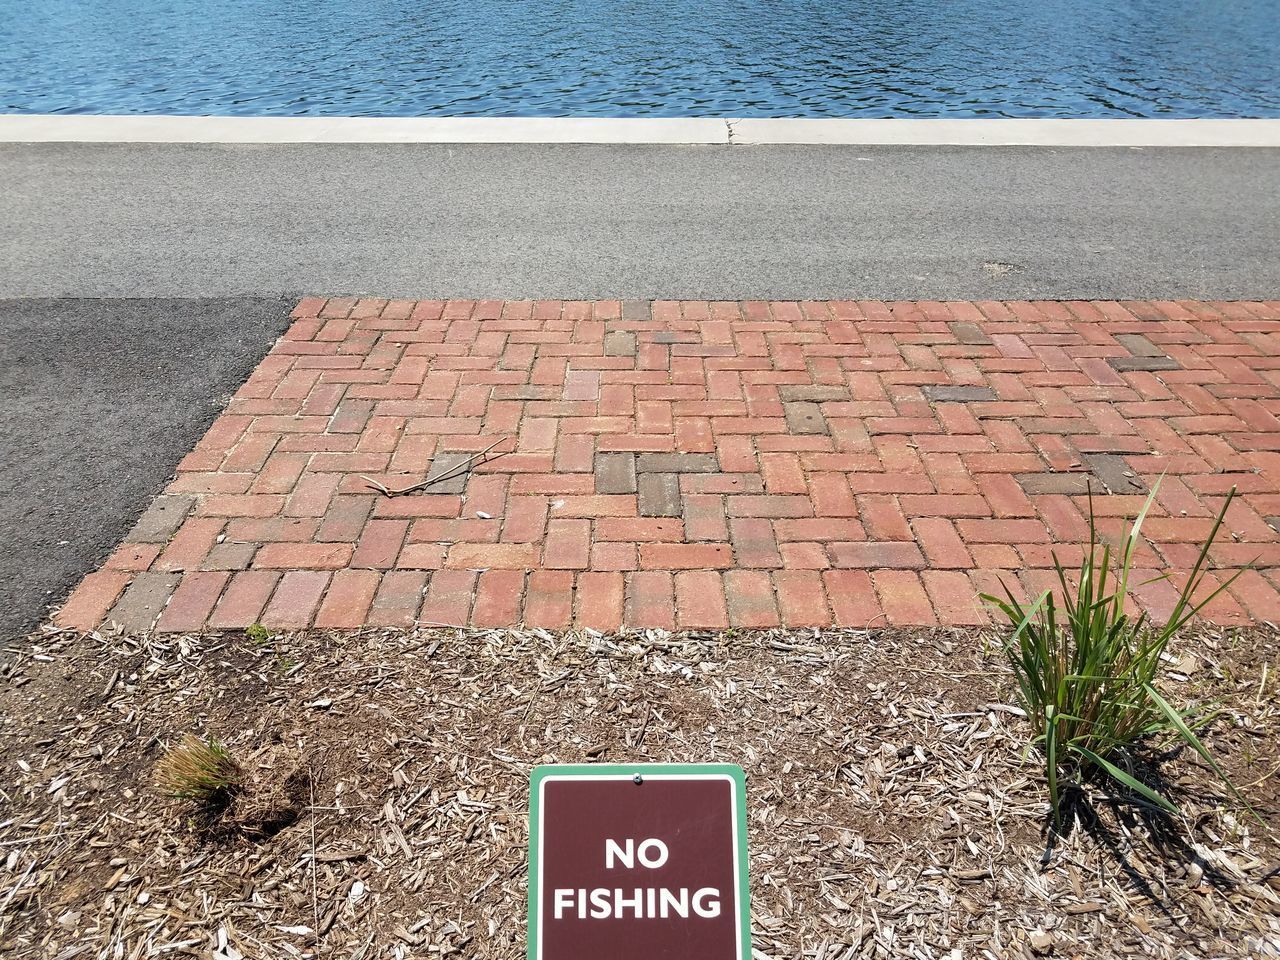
[(890, 810)]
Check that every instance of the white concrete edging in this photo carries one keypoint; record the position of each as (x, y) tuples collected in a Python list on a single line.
[(1045, 133), (127, 129), (23, 128)]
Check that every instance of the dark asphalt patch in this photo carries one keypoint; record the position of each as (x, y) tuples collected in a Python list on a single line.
[(99, 400)]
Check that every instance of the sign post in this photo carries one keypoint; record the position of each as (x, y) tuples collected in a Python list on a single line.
[(646, 861)]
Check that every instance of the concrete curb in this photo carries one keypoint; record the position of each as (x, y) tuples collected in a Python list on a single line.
[(18, 128), (1043, 133)]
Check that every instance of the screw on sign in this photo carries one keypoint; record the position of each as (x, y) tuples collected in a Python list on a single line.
[(646, 862)]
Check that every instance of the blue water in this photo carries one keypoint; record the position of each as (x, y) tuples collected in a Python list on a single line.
[(743, 58)]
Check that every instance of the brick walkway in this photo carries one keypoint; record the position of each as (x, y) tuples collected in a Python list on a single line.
[(706, 464)]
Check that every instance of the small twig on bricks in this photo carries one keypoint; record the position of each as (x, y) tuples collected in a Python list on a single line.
[(465, 466)]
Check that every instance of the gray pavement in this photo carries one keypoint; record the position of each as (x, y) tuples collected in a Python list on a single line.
[(99, 400), (638, 221)]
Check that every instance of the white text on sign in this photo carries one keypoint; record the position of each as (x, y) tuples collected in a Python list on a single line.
[(644, 903)]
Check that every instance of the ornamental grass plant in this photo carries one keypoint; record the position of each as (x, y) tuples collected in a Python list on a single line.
[(1088, 671), (201, 771)]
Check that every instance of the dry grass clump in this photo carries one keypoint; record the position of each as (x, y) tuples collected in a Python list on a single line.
[(255, 798), (200, 771)]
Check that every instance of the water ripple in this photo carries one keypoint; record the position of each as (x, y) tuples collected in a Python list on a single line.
[(743, 58)]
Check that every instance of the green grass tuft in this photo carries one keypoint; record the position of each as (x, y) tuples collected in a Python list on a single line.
[(1087, 671)]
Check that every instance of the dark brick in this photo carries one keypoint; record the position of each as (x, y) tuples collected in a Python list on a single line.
[(615, 473), (666, 337), (804, 418), (637, 310), (445, 463), (144, 601), (229, 556), (678, 463), (1114, 473), (400, 596), (1138, 345), (953, 394), (659, 495), (345, 519), (162, 519), (1124, 364), (970, 334), (619, 343), (1070, 484), (814, 393)]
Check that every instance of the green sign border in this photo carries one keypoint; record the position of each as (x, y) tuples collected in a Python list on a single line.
[(730, 770)]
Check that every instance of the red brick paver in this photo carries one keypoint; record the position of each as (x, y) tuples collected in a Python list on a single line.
[(707, 465)]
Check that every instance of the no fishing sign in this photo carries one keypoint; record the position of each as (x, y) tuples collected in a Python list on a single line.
[(645, 861)]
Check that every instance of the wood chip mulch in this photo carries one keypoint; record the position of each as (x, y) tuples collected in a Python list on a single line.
[(891, 813)]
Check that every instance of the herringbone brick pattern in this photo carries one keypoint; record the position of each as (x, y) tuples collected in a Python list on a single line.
[(702, 465)]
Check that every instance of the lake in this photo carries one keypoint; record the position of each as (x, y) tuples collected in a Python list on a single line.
[(643, 58)]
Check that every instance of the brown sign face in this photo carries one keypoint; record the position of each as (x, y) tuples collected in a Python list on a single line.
[(647, 870)]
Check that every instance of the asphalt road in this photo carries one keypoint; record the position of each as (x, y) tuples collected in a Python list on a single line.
[(99, 400), (638, 221)]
